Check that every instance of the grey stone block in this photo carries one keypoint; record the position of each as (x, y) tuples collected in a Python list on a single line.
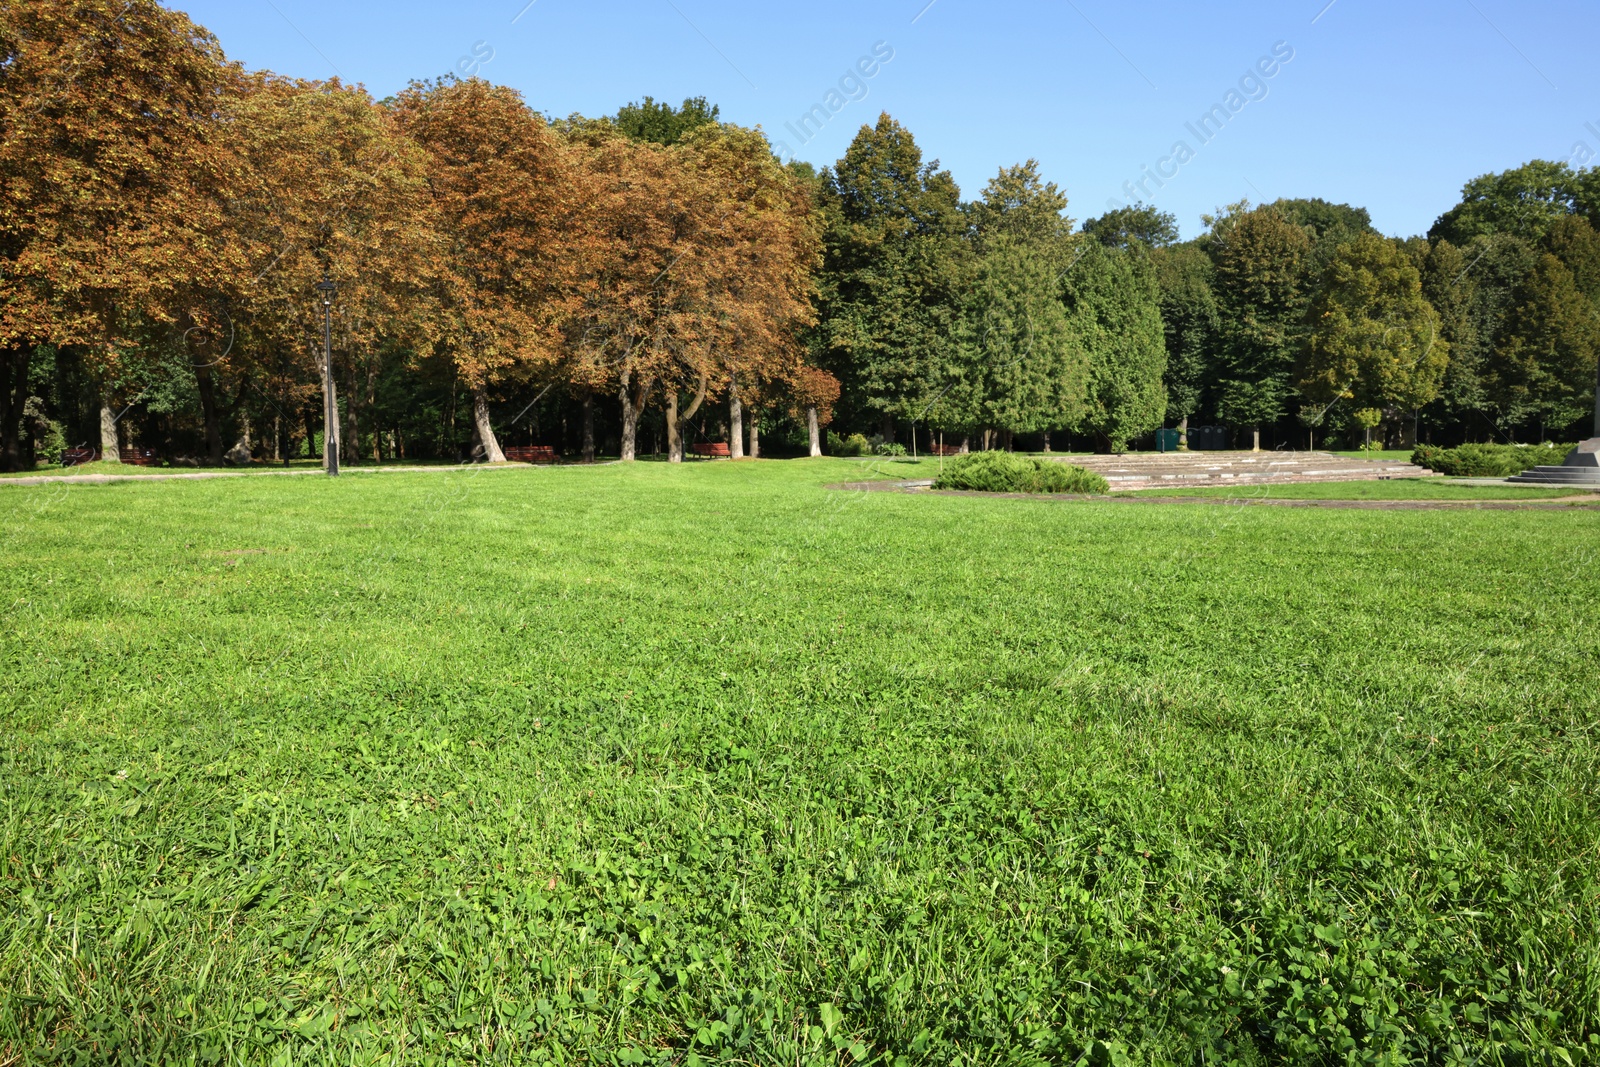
[(1587, 454)]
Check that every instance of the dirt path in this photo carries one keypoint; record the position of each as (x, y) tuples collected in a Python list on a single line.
[(1242, 501)]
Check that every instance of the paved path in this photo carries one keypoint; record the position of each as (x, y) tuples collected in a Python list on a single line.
[(1241, 501), (106, 479)]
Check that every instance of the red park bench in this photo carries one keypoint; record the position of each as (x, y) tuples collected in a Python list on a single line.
[(944, 450), (137, 457), (712, 449), (532, 454)]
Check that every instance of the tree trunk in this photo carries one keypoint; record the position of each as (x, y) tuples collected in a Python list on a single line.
[(1255, 439), (814, 430), (735, 422), (208, 413), (1047, 442), (966, 444), (109, 450), (1007, 439), (676, 422), (887, 429), (480, 419), (588, 426), (632, 408), (630, 426), (311, 437), (352, 440), (755, 435), (15, 402), (372, 400), (674, 441), (1183, 434)]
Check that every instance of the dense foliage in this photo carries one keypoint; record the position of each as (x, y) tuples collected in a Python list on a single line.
[(1489, 460), (656, 278)]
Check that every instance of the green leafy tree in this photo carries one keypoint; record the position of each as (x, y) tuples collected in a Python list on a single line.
[(1114, 319), (1017, 368), (1525, 202), (1544, 365), (1259, 258), (1026, 374), (1192, 326), (895, 274), (1141, 223), (1451, 287), (1374, 339), (1328, 225), (1019, 207), (1576, 243), (659, 123)]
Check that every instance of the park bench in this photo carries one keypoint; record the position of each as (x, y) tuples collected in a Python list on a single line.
[(137, 457), (532, 454), (944, 450), (712, 449)]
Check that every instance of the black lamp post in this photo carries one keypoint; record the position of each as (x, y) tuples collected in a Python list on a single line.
[(330, 402)]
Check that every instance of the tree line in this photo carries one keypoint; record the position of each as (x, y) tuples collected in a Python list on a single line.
[(641, 281)]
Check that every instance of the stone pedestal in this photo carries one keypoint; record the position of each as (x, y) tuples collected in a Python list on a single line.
[(1587, 454), (1581, 469)]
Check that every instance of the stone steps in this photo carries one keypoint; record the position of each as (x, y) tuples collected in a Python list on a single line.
[(1583, 477), (1199, 469)]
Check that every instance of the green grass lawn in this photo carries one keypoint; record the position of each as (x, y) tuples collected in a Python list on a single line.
[(95, 467), (101, 467), (677, 765), (1394, 489)]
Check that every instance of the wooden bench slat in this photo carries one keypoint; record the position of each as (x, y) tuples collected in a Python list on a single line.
[(532, 454)]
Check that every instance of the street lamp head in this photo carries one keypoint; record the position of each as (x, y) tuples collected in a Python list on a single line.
[(327, 287)]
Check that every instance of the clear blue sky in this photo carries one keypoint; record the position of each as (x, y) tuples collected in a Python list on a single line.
[(1391, 105)]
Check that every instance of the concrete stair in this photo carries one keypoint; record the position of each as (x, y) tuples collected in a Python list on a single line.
[(1206, 469), (1581, 469), (1582, 477)]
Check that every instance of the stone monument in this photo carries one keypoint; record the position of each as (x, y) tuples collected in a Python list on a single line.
[(1581, 468)]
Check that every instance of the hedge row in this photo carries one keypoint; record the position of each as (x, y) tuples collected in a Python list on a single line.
[(1488, 461)]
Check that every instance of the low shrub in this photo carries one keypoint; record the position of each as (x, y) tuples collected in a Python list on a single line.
[(1006, 472), (1488, 461), (854, 445), (889, 448)]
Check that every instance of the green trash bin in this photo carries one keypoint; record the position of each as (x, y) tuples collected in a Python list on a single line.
[(1167, 440)]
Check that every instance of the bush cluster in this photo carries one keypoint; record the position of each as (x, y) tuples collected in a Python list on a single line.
[(1488, 461), (1007, 472), (854, 445)]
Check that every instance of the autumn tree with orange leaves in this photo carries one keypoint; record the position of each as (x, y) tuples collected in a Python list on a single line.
[(504, 197), (697, 272), (332, 186), (113, 182)]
